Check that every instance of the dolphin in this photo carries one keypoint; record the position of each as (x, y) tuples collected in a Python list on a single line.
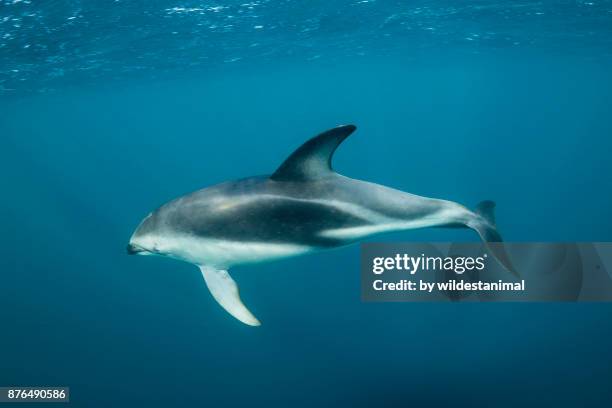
[(304, 206)]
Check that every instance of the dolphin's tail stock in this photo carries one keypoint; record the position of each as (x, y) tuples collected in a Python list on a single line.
[(484, 224)]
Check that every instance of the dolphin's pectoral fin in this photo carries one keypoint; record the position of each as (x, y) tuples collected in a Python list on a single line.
[(225, 291), (312, 160)]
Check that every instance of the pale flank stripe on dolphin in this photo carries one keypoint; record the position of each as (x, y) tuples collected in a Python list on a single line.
[(358, 232), (380, 223), (387, 224), (350, 208)]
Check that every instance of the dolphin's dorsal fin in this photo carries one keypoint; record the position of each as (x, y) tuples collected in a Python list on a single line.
[(225, 291), (312, 160)]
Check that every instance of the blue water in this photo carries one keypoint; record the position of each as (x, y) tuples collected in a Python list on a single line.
[(109, 109)]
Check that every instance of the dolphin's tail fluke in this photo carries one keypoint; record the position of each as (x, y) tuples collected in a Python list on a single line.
[(484, 224)]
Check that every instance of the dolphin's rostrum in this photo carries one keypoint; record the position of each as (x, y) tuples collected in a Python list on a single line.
[(303, 206)]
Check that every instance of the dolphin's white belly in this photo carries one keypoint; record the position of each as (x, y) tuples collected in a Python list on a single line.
[(226, 253)]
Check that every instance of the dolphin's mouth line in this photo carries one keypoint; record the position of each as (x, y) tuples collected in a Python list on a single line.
[(133, 249)]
